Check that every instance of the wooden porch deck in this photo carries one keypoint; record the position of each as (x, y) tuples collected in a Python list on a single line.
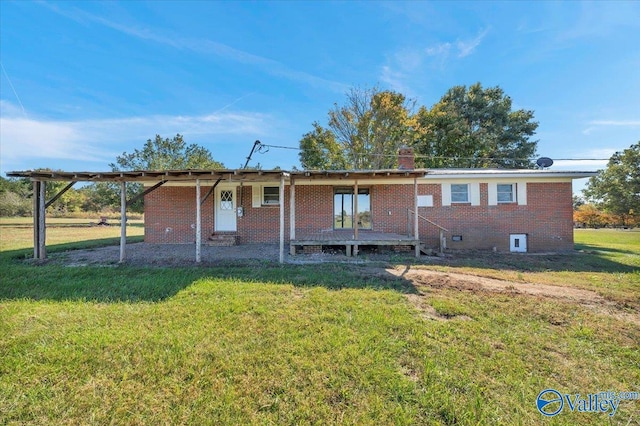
[(347, 238)]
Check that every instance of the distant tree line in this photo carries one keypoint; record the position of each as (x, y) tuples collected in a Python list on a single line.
[(104, 197), (612, 198)]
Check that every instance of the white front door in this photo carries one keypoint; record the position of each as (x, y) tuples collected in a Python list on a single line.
[(518, 243), (225, 216)]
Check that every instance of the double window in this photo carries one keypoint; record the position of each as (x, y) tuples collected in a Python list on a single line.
[(344, 208), (470, 193)]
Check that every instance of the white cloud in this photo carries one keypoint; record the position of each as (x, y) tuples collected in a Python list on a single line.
[(593, 159), (202, 46), (598, 124), (441, 49), (580, 164), (461, 48), (25, 140), (394, 79), (407, 63), (620, 123), (466, 47)]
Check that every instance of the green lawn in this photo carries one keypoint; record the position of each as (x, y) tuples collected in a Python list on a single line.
[(261, 343)]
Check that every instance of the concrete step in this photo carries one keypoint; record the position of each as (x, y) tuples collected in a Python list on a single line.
[(222, 239), (428, 250)]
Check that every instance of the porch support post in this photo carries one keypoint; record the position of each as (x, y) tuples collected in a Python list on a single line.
[(282, 219), (36, 219), (42, 205), (123, 220), (39, 211), (355, 217), (292, 215), (415, 216), (198, 223)]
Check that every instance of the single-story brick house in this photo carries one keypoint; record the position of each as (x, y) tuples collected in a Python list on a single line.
[(502, 210), (485, 209)]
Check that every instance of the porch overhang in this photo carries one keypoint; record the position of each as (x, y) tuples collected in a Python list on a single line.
[(313, 175), (152, 178), (141, 176)]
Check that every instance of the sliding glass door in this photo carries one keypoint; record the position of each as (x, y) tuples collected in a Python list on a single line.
[(343, 208)]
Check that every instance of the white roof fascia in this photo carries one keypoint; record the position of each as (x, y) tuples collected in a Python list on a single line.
[(505, 174)]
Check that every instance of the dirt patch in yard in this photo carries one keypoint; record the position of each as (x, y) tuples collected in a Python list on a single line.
[(168, 255), (435, 279), (426, 280)]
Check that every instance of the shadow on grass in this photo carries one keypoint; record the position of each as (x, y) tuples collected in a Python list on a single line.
[(129, 283), (109, 283), (587, 260), (592, 248), (27, 253)]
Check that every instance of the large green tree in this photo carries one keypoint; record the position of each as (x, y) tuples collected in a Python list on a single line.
[(617, 188), (156, 154), (365, 133), (468, 127), (166, 154), (475, 127)]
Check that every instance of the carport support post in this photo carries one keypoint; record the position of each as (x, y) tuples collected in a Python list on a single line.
[(198, 223), (355, 217), (123, 220), (36, 221), (39, 211), (415, 216), (292, 215), (282, 219)]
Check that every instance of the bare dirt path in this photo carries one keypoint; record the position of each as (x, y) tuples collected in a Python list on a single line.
[(424, 278), (436, 279)]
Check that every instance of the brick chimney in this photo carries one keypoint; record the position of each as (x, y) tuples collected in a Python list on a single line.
[(406, 160)]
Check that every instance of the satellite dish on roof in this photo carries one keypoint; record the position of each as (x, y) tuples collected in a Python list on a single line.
[(544, 162)]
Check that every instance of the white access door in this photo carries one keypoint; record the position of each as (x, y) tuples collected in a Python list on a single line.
[(518, 243), (225, 215)]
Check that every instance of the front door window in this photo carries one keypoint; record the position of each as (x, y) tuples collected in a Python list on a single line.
[(226, 200)]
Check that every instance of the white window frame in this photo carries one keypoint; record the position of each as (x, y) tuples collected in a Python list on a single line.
[(512, 193), (458, 192), (266, 202)]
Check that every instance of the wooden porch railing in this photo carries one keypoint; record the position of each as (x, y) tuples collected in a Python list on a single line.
[(442, 240)]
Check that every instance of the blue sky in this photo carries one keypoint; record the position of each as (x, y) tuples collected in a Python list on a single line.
[(82, 82)]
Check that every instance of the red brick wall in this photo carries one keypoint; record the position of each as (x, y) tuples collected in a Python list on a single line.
[(261, 224), (314, 208), (546, 219), (170, 215), (389, 205)]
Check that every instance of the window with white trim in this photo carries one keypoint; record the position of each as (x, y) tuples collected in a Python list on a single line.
[(270, 195), (506, 193), (459, 193)]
